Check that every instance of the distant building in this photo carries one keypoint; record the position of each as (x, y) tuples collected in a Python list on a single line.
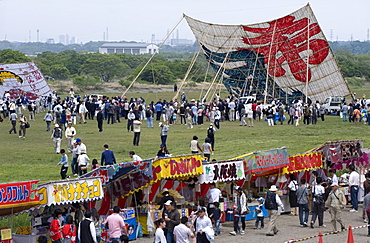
[(128, 48), (73, 40), (62, 39), (50, 41), (181, 42)]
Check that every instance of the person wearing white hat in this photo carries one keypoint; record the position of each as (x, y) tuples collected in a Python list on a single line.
[(166, 197), (272, 202), (56, 135), (217, 118), (172, 218), (70, 134), (336, 202)]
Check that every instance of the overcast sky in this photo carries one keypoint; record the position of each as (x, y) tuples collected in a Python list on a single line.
[(137, 20)]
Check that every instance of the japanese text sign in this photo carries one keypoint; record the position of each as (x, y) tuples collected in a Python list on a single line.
[(306, 161), (258, 163), (222, 171), (72, 191), (18, 194), (175, 167)]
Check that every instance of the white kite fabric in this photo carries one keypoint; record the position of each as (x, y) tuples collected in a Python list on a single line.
[(274, 58), (22, 79)]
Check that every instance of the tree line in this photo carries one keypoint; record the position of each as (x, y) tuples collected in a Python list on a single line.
[(92, 69)]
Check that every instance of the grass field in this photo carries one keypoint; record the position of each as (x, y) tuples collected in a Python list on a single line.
[(34, 157)]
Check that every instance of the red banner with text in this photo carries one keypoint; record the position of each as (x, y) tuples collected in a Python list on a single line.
[(18, 194)]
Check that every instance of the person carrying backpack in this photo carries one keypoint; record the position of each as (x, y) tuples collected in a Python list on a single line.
[(272, 202)]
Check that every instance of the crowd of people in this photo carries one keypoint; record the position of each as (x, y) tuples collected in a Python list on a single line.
[(65, 113), (78, 224)]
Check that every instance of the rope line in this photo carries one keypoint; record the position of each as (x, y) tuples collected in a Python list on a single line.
[(330, 233)]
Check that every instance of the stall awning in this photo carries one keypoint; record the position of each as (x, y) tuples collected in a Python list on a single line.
[(18, 196), (265, 162), (126, 177)]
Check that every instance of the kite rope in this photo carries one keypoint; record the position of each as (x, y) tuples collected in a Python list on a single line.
[(151, 58), (195, 56), (221, 67)]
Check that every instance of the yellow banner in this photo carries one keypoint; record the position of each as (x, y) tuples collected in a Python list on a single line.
[(177, 167), (69, 191)]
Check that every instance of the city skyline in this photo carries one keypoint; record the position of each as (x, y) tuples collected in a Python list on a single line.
[(112, 20)]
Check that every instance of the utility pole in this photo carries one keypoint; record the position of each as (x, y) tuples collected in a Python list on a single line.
[(331, 34)]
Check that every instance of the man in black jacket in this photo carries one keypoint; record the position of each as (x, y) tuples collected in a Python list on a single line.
[(86, 229), (100, 118)]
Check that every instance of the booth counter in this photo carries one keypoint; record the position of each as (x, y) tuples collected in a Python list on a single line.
[(252, 215)]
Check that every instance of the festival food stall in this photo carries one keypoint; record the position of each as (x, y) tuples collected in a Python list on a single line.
[(227, 174), (58, 194), (16, 198), (267, 168), (339, 155), (259, 165), (169, 172), (120, 183)]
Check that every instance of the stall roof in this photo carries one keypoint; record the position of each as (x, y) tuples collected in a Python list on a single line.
[(126, 177)]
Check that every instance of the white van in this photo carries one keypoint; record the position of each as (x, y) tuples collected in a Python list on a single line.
[(332, 104)]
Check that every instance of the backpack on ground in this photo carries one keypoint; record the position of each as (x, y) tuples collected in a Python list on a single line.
[(270, 201)]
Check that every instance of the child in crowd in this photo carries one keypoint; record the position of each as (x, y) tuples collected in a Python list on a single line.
[(69, 230), (159, 234), (216, 216), (43, 239), (94, 164), (174, 117), (74, 163), (64, 163), (259, 211)]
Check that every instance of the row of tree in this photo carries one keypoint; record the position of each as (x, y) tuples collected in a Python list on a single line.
[(165, 68)]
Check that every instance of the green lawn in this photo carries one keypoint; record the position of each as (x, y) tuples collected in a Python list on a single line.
[(34, 157)]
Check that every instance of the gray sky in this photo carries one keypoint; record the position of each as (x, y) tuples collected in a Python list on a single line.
[(137, 20)]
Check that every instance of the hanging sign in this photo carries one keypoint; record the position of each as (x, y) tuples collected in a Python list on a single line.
[(177, 167), (71, 191), (261, 162), (307, 161), (18, 194), (222, 171)]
